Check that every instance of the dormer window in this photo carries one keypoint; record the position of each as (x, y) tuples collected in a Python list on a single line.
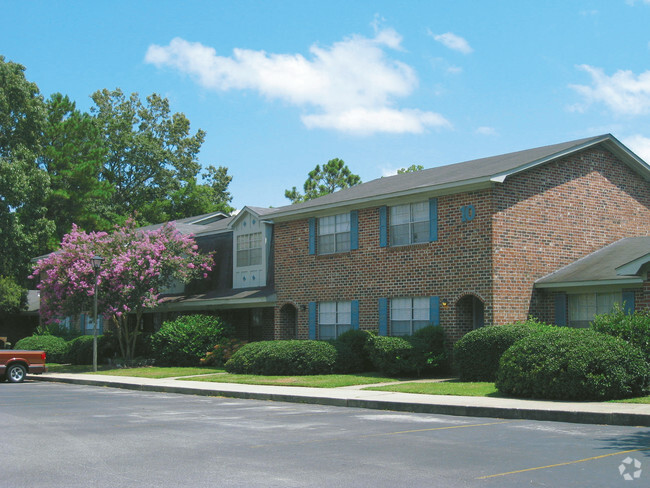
[(249, 249)]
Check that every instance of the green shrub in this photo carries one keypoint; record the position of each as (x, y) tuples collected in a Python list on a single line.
[(284, 358), (55, 347), (573, 364), (59, 330), (351, 356), (80, 349), (633, 328), (222, 352), (477, 353), (184, 341), (431, 343), (420, 354)]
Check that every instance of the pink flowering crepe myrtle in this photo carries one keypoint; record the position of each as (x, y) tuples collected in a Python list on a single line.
[(139, 265)]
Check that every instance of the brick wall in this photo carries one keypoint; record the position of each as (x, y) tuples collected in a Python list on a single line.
[(533, 224), (550, 216), (456, 265)]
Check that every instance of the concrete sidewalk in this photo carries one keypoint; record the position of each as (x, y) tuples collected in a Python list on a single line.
[(578, 412)]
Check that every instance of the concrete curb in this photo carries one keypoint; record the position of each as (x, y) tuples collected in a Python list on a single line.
[(545, 411)]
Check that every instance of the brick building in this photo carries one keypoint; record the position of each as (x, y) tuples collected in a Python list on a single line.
[(464, 245), (559, 232)]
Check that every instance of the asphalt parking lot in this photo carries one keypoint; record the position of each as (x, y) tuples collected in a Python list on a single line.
[(59, 435)]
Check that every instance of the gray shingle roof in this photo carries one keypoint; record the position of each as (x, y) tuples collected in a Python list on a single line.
[(601, 265), (483, 170)]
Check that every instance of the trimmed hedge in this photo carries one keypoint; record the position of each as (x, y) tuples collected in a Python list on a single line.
[(423, 353), (633, 328), (351, 353), (80, 350), (184, 341), (573, 364), (55, 347), (477, 353), (283, 358)]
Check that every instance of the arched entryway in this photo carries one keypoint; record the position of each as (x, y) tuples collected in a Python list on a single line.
[(288, 322), (470, 313)]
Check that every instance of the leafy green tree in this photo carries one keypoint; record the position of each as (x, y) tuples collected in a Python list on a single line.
[(334, 175), (24, 226), (411, 169), (12, 296), (151, 160), (73, 156)]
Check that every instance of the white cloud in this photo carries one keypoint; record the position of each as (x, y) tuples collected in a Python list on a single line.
[(452, 41), (640, 145), (351, 84), (623, 93), (486, 131)]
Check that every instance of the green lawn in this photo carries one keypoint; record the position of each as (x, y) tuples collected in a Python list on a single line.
[(645, 399), (315, 381), (145, 372), (217, 375), (447, 387)]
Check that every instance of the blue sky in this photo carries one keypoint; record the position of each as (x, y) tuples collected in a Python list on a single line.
[(280, 86)]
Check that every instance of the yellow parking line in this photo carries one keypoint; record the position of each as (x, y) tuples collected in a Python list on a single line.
[(561, 464)]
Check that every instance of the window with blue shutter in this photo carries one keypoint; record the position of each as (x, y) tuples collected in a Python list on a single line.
[(434, 310), (312, 320), (355, 314), (312, 235), (383, 316), (560, 309), (383, 226), (628, 302), (354, 230), (433, 219)]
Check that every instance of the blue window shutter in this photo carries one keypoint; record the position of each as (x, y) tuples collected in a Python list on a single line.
[(383, 226), (434, 310), (560, 309), (628, 302), (354, 230), (354, 312), (383, 316), (100, 325), (312, 320), (312, 235), (433, 219), (82, 323)]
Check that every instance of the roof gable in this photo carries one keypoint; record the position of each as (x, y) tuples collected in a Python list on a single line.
[(458, 177), (619, 262)]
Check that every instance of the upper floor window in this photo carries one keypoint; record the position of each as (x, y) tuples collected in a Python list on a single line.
[(249, 249), (409, 224), (408, 315), (334, 234), (334, 318)]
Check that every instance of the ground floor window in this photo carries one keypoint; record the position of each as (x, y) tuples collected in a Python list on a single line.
[(408, 315), (334, 318), (584, 307)]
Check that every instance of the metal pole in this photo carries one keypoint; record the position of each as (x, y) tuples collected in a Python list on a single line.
[(95, 326)]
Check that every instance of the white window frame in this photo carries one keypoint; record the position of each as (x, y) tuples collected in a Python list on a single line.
[(409, 314), (334, 228), (249, 249), (412, 216), (583, 307), (334, 316)]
